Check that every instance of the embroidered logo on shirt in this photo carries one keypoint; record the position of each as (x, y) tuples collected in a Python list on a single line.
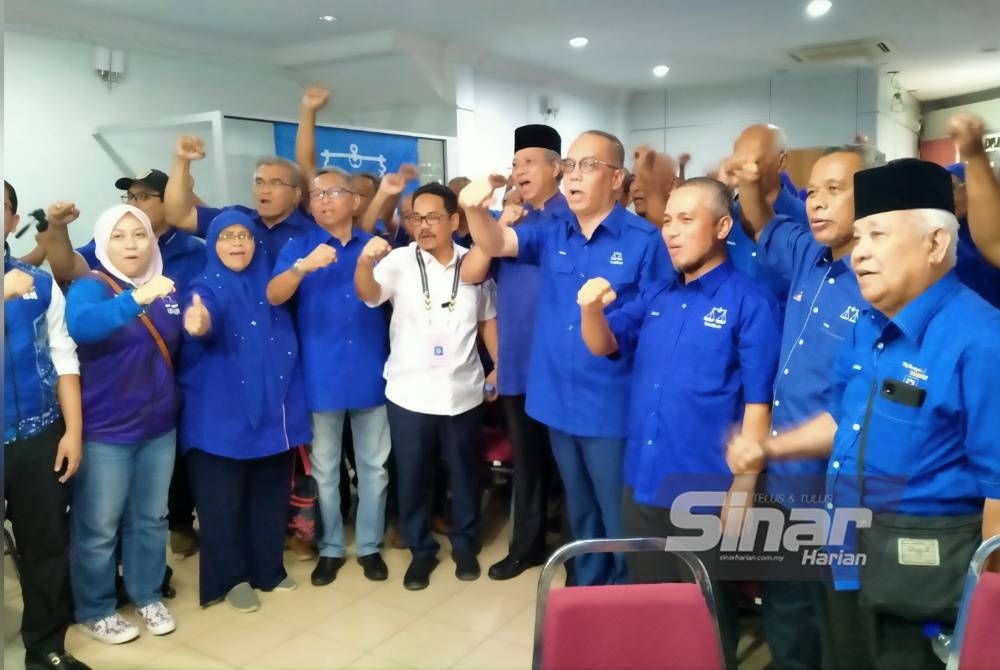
[(851, 314), (171, 305), (30, 295), (716, 318), (797, 297), (616, 258), (914, 375)]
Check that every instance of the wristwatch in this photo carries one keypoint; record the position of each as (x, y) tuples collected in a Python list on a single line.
[(297, 267)]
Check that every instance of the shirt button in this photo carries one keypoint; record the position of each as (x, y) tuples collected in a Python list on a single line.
[(786, 371), (777, 402), (815, 310), (801, 342), (656, 386), (649, 442), (774, 433), (832, 281), (581, 275), (684, 305), (753, 254), (856, 426), (879, 345), (571, 327), (836, 465), (829, 505)]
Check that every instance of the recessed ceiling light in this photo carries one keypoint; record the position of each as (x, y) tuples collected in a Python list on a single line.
[(329, 18), (578, 42), (661, 70), (818, 8)]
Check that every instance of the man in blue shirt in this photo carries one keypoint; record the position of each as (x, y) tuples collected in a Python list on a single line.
[(912, 417), (972, 268), (706, 348), (768, 142), (822, 309), (344, 349), (566, 383), (277, 187), (535, 171), (981, 187)]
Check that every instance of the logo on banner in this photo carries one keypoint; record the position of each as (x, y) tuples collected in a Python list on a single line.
[(354, 159), (352, 150)]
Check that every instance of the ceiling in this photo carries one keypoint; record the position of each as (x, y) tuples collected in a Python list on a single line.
[(938, 44)]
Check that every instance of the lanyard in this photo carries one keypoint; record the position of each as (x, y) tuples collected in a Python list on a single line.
[(427, 291)]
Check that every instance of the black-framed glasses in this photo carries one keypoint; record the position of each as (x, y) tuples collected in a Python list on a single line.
[(241, 236), (332, 193), (139, 196), (417, 220), (587, 164), (270, 183)]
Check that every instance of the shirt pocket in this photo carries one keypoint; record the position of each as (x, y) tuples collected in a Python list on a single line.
[(562, 263)]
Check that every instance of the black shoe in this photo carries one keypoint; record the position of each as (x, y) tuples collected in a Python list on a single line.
[(466, 567), (326, 570), (374, 567), (510, 567), (54, 661), (418, 575)]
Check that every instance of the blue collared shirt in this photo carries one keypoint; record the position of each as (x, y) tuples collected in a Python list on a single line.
[(939, 458), (274, 237), (344, 343), (823, 305), (568, 388), (703, 351), (183, 257), (517, 303), (746, 255), (975, 271)]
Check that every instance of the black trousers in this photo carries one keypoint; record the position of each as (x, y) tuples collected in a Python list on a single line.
[(180, 499), (418, 441), (36, 507), (243, 511), (651, 567), (533, 471)]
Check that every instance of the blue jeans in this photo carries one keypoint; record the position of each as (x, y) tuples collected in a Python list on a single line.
[(592, 474), (370, 429), (120, 490)]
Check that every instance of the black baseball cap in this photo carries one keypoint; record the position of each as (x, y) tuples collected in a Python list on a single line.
[(154, 180)]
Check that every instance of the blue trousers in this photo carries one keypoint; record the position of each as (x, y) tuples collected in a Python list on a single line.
[(591, 470)]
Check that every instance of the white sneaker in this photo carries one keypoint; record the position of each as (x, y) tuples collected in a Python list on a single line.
[(157, 618), (114, 629)]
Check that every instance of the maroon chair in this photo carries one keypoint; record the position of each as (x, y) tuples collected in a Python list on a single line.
[(628, 626), (975, 644)]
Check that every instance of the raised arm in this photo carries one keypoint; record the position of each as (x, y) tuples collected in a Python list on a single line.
[(387, 196), (490, 235), (654, 181), (755, 211), (313, 100), (593, 297), (65, 263), (178, 197), (369, 290), (981, 186)]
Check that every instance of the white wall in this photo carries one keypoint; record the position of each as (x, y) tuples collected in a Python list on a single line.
[(898, 126), (813, 111), (936, 122)]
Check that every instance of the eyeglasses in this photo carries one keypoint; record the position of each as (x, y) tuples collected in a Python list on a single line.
[(432, 219), (138, 196), (587, 164), (332, 193), (270, 183), (241, 237)]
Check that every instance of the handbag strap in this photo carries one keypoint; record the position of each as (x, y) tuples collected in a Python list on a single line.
[(146, 321), (864, 441)]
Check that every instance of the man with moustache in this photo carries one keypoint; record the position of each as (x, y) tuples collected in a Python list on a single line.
[(566, 383), (344, 348)]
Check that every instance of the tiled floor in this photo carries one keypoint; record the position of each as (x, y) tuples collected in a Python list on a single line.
[(352, 623)]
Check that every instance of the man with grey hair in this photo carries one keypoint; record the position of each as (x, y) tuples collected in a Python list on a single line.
[(910, 424), (822, 309), (277, 188)]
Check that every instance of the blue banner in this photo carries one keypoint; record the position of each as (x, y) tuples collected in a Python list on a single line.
[(351, 150)]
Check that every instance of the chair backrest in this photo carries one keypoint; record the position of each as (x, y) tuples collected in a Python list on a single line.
[(975, 644), (634, 626)]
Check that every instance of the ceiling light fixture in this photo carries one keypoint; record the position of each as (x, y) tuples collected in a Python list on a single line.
[(818, 8), (661, 71), (578, 42), (329, 18)]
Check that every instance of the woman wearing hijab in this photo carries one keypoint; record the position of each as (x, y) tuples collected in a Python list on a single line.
[(238, 363), (126, 321)]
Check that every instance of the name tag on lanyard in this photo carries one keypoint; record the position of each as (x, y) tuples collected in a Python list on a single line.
[(438, 344)]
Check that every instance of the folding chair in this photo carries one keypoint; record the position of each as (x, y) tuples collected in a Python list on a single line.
[(628, 626), (975, 644)]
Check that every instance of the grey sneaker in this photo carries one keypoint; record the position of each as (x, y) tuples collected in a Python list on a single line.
[(243, 598), (286, 584)]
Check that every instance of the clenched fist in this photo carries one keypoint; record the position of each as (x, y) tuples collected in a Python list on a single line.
[(318, 258), (375, 250), (197, 320), (745, 455), (190, 148), (478, 194), (596, 294), (157, 287), (315, 98), (967, 131), (62, 213), (17, 283)]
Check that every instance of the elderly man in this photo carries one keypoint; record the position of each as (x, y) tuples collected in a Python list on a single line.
[(581, 398), (911, 424), (654, 177)]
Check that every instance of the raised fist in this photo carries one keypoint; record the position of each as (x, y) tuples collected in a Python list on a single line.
[(375, 250), (197, 321), (478, 194), (62, 213), (315, 98), (596, 294), (190, 148), (157, 287), (318, 258), (684, 159), (967, 131)]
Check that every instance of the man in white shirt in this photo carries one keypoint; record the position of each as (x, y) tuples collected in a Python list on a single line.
[(434, 376)]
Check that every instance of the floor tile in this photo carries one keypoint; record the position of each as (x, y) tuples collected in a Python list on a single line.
[(520, 629), (375, 662), (365, 623), (243, 639), (430, 645), (443, 585), (306, 603), (127, 656), (306, 651), (494, 654), (183, 658), (483, 607)]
